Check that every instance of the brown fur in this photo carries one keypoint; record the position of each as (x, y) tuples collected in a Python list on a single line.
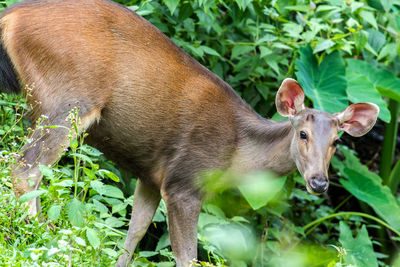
[(148, 106)]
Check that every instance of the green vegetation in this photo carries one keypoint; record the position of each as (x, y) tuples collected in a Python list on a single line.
[(340, 52)]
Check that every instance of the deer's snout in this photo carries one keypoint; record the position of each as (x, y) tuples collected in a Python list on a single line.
[(318, 183)]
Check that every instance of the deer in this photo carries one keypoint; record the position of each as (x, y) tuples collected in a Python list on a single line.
[(154, 110)]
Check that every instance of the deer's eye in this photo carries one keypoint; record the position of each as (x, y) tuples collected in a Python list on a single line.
[(336, 142), (303, 135)]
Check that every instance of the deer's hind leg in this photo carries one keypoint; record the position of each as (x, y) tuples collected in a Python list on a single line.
[(44, 148)]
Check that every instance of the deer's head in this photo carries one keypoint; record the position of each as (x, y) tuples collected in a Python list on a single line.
[(316, 132)]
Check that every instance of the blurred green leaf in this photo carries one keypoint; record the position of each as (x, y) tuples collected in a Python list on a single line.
[(360, 89), (93, 238), (54, 212), (323, 45), (369, 17), (260, 188), (376, 39), (171, 4), (31, 195)]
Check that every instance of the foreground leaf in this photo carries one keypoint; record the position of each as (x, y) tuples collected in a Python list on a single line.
[(359, 250), (324, 84), (94, 240), (260, 188)]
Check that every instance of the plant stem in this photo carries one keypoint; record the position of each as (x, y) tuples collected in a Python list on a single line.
[(331, 216), (389, 142)]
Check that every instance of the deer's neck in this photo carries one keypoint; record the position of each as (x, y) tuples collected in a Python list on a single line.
[(263, 145)]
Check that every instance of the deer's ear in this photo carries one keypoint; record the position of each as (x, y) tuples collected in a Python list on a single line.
[(289, 99), (358, 119)]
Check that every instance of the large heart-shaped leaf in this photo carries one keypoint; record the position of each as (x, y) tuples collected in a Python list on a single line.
[(324, 84), (360, 89), (367, 186), (384, 81), (359, 250)]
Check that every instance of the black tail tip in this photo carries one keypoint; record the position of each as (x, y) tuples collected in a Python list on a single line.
[(8, 78)]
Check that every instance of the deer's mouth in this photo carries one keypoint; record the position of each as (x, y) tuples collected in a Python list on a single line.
[(317, 191)]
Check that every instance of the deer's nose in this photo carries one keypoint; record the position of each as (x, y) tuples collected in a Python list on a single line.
[(319, 183)]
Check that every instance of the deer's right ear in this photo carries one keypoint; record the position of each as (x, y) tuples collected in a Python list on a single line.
[(289, 99)]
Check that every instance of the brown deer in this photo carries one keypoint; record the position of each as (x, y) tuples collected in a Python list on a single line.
[(154, 110)]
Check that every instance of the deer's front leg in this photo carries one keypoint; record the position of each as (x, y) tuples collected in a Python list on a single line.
[(145, 203), (183, 212)]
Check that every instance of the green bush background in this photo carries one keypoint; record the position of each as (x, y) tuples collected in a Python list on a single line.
[(340, 52)]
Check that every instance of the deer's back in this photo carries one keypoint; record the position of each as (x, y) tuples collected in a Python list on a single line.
[(159, 107)]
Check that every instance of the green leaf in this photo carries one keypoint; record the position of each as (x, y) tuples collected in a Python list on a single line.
[(361, 39), (100, 206), (110, 252), (369, 17), (359, 250), (65, 183), (324, 84), (389, 50), (91, 151), (376, 39), (54, 212), (260, 188), (82, 157), (110, 175), (114, 222), (171, 4), (112, 191), (239, 50), (323, 45), (360, 89), (301, 8), (384, 81), (264, 51), (98, 186), (47, 171), (31, 195), (80, 241), (367, 186), (147, 254), (243, 4), (210, 51), (93, 238), (75, 210), (387, 4), (163, 242)]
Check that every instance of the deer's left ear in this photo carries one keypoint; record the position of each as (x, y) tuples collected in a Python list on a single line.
[(358, 119), (289, 99)]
